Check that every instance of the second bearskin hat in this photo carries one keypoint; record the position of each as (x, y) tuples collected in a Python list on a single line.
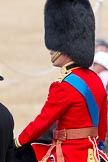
[(101, 42), (70, 29), (1, 78)]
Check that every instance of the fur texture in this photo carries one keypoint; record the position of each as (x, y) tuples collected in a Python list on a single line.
[(70, 28)]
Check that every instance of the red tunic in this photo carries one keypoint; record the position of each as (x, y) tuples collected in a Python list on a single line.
[(68, 107)]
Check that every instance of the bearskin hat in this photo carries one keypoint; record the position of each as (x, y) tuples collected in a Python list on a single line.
[(70, 29)]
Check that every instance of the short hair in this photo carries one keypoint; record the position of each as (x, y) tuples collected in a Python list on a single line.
[(101, 42)]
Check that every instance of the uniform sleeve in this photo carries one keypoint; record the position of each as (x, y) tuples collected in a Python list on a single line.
[(102, 129), (57, 103)]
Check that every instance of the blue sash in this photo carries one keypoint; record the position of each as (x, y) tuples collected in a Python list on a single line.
[(82, 87)]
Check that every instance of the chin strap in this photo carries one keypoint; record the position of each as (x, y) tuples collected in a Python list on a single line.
[(55, 57)]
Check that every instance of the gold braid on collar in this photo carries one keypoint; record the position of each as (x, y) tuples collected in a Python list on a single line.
[(66, 70)]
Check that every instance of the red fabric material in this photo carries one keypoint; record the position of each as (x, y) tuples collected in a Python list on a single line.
[(67, 106), (40, 150)]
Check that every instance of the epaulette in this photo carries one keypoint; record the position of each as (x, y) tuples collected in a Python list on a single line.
[(64, 75)]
